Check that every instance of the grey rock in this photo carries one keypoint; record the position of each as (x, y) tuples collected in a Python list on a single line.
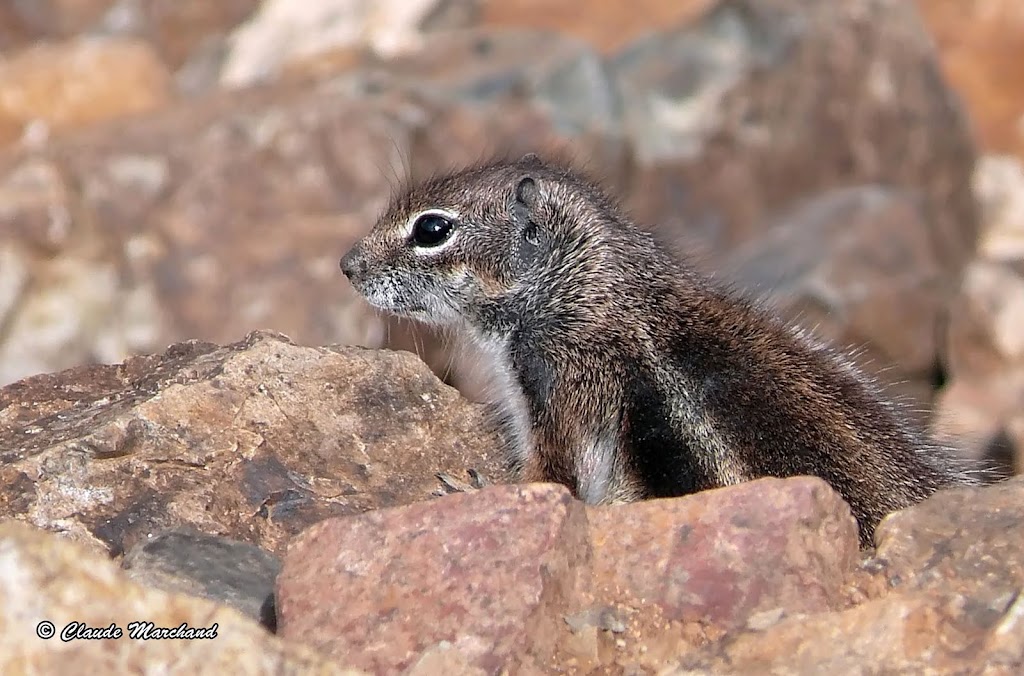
[(219, 569), (859, 267)]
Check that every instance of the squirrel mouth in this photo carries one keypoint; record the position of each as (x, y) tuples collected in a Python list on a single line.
[(389, 303), (389, 297)]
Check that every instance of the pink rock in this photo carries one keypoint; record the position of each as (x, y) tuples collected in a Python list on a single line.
[(722, 555), (490, 573)]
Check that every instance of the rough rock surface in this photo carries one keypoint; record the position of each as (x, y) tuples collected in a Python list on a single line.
[(953, 574), (913, 545), (920, 634), (220, 569), (791, 544), (253, 441), (609, 26), (283, 31), (493, 572), (507, 575), (130, 239), (46, 579)]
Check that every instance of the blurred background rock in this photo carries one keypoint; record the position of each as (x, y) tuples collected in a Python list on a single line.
[(174, 169)]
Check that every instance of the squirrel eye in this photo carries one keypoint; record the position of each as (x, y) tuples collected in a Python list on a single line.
[(431, 230)]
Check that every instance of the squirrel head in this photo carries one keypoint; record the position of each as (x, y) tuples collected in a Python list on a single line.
[(468, 246)]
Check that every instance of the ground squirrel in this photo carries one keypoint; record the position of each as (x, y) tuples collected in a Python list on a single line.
[(625, 374)]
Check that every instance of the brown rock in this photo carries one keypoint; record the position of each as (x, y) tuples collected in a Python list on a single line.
[(986, 328), (760, 104), (900, 634), (482, 93), (607, 25), (180, 28), (253, 441), (50, 580), (970, 540), (15, 33), (981, 408), (69, 85), (982, 45), (60, 18), (859, 266), (983, 417), (668, 576), (487, 574), (517, 92), (955, 567), (986, 325), (721, 556), (174, 28), (123, 248), (999, 185)]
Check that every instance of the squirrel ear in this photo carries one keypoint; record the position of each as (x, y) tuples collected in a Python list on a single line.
[(531, 160), (526, 192)]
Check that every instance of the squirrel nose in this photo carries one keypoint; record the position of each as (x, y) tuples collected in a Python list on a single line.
[(352, 264)]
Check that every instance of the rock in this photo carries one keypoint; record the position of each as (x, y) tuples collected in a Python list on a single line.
[(986, 328), (859, 266), (61, 86), (722, 556), (561, 100), (608, 26), (253, 441), (980, 407), (225, 571), (954, 569), (986, 325), (283, 31), (508, 581), (179, 30), (60, 18), (983, 418), (934, 634), (487, 575), (14, 32), (175, 29), (50, 580), (759, 105), (982, 44), (127, 251), (999, 185), (968, 540)]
